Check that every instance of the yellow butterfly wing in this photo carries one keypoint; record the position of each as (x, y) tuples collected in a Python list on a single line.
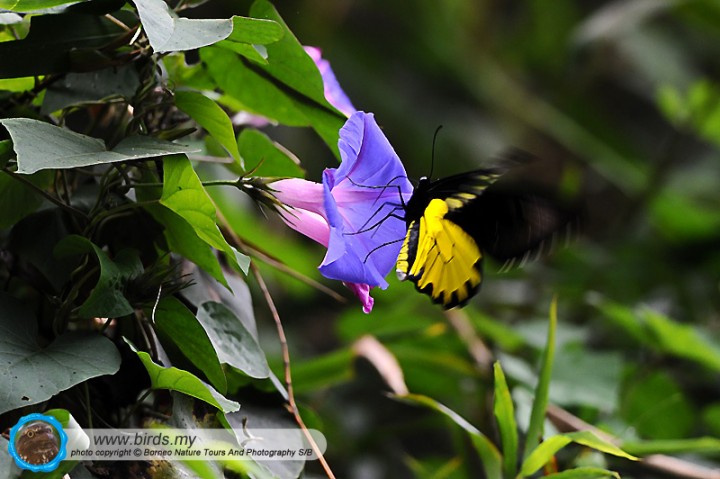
[(441, 259)]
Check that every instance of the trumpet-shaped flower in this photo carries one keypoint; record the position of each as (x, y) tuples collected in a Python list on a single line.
[(357, 210)]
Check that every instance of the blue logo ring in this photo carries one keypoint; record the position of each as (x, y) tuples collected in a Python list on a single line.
[(55, 462)]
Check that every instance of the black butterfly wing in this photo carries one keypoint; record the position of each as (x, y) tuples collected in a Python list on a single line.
[(513, 224), (438, 255), (454, 221)]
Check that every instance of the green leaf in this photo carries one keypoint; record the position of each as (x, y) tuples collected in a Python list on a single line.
[(137, 147), (251, 87), (255, 53), (6, 152), (211, 117), (184, 194), (255, 31), (182, 239), (184, 382), (291, 65), (183, 75), (543, 453), (17, 84), (711, 418), (577, 381), (287, 89), (537, 416), (672, 104), (265, 157), (168, 33), (242, 261), (589, 439), (656, 408), (489, 455), (496, 330), (30, 374), (682, 218), (288, 61), (18, 200), (233, 343), (30, 5), (61, 148), (699, 445), (548, 448), (106, 299), (583, 473), (76, 88), (322, 372), (505, 415), (663, 334), (176, 323)]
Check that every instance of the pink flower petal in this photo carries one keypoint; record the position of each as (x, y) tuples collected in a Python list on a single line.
[(362, 292)]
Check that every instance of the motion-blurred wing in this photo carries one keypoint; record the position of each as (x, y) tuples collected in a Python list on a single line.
[(515, 226)]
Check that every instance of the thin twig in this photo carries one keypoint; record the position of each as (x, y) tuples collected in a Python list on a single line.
[(292, 405), (117, 22), (480, 353), (254, 251)]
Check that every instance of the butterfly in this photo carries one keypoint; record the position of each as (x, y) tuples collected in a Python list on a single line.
[(454, 222)]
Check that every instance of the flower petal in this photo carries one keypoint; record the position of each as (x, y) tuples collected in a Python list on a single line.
[(363, 205), (362, 292), (308, 223), (299, 193), (334, 94), (368, 158)]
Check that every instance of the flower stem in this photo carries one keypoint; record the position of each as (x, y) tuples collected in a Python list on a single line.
[(204, 183)]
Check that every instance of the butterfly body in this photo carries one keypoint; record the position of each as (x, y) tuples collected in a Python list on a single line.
[(453, 222)]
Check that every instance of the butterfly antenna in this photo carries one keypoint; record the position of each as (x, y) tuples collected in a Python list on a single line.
[(432, 156)]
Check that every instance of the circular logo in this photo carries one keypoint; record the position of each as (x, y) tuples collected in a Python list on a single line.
[(37, 443)]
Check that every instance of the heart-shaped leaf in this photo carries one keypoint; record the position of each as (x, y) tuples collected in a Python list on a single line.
[(61, 148), (184, 194), (168, 33), (234, 344), (30, 374)]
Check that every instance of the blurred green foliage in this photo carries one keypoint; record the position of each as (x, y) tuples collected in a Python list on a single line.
[(621, 99)]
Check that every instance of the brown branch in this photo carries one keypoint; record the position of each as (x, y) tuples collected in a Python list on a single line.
[(480, 353), (291, 403), (254, 251)]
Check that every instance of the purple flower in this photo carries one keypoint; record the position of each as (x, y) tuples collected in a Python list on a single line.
[(333, 93), (356, 212)]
